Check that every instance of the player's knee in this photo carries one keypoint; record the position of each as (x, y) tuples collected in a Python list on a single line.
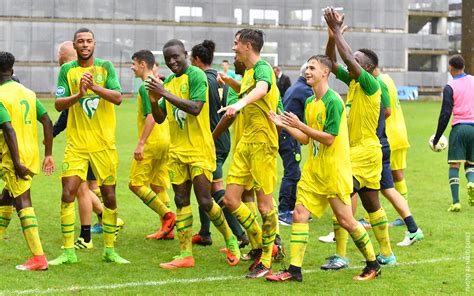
[(265, 207), (300, 215), (68, 194), (230, 203), (180, 201), (132, 188), (205, 203)]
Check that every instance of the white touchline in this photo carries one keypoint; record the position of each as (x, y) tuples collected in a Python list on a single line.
[(183, 281)]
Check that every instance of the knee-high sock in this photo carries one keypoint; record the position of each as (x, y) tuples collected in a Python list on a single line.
[(216, 215), (454, 184), (252, 206), (361, 238), (378, 220), (98, 194), (470, 173), (341, 235), (6, 213), (231, 220), (298, 243), (151, 199), (68, 219), (109, 224), (184, 226), (164, 197), (29, 225), (270, 221), (401, 187), (248, 220)]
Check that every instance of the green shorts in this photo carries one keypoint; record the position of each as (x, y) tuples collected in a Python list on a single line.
[(461, 144)]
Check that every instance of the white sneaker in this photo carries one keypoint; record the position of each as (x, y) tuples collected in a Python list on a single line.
[(411, 238), (328, 239)]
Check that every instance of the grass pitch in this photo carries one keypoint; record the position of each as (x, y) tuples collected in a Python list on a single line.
[(439, 264)]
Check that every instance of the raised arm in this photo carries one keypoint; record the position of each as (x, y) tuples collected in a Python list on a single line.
[(335, 24)]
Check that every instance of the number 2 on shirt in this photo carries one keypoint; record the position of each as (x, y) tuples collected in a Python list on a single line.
[(27, 110)]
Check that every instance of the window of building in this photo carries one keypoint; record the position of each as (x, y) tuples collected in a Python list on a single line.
[(423, 62), (238, 15), (263, 17), (186, 13)]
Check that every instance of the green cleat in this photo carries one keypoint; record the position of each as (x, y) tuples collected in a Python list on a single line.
[(233, 251), (456, 207), (111, 256), (470, 192), (67, 257)]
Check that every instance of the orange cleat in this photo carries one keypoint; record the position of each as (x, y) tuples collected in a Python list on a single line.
[(170, 236), (34, 263), (369, 273), (179, 262), (168, 223), (284, 276), (201, 240)]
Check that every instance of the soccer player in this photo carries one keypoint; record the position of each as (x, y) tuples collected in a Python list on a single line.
[(89, 88), (257, 149), (326, 177), (363, 105), (458, 100), (192, 156), (290, 149), (149, 177), (87, 199), (389, 98), (201, 56), (19, 110)]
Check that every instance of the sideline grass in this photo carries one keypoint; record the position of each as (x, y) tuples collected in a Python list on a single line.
[(447, 235)]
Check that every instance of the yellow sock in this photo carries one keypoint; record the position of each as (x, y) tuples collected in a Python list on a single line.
[(361, 238), (298, 243), (252, 207), (217, 217), (248, 220), (341, 235), (109, 225), (270, 221), (98, 193), (164, 197), (184, 226), (277, 229), (366, 216), (6, 213), (379, 222), (68, 219), (29, 225), (401, 187), (151, 199)]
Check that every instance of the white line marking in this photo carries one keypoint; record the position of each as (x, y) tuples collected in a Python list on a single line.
[(183, 281)]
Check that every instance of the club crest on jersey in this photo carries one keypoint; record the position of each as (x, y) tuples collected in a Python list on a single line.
[(89, 105), (60, 91), (99, 78), (319, 118), (183, 88)]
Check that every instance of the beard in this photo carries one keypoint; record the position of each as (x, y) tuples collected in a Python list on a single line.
[(83, 57)]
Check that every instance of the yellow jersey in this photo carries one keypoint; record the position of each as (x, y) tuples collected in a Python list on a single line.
[(160, 134), (190, 136), (258, 127), (363, 108), (328, 168), (20, 106), (395, 124), (91, 121)]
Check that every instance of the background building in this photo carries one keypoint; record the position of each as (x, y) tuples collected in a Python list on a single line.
[(410, 36)]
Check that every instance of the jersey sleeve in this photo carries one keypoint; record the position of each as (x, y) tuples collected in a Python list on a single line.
[(334, 110), (62, 87), (343, 75), (146, 105), (112, 81), (4, 116), (385, 94), (232, 97), (308, 100), (40, 110), (280, 106), (198, 86), (263, 72), (368, 83)]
